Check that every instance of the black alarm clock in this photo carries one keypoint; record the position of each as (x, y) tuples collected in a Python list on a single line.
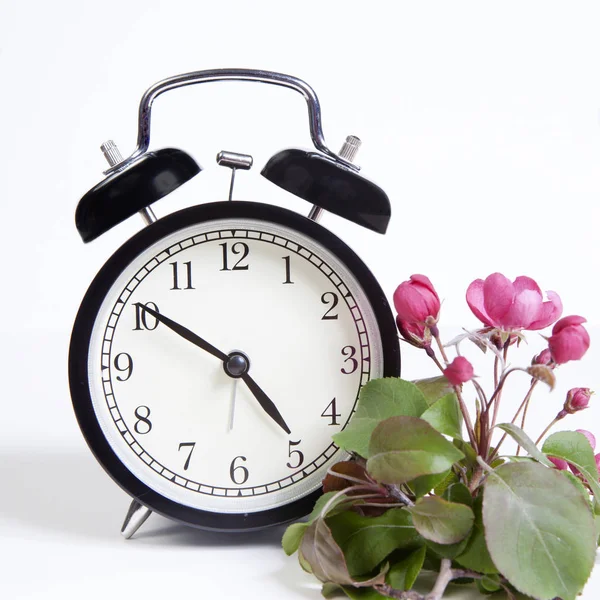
[(220, 348)]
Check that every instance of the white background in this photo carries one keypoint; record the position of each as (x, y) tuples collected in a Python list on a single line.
[(480, 120)]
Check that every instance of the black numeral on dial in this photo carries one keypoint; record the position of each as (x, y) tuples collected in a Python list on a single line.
[(299, 455), (143, 424), (329, 298), (187, 276), (237, 249), (191, 446), (124, 364), (349, 351), (331, 413), (288, 277), (238, 473), (144, 320)]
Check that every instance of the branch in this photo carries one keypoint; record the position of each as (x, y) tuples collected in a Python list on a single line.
[(397, 493), (446, 575)]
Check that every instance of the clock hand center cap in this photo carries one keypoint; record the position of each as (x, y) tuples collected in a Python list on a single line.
[(237, 364)]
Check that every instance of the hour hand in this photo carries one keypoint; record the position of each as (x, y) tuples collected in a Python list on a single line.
[(266, 403), (184, 332)]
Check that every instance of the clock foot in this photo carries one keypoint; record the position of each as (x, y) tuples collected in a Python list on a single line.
[(135, 518)]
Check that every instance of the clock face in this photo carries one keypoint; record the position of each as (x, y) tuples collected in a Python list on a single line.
[(287, 315)]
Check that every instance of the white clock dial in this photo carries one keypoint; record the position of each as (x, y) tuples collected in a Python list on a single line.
[(168, 409)]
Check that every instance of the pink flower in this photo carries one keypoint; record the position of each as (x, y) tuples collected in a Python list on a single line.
[(460, 370), (577, 399), (590, 437), (543, 358), (559, 463), (498, 302), (416, 300), (569, 340), (414, 333)]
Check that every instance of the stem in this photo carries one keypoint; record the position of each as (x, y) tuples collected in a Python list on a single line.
[(441, 347), (463, 407), (496, 364), (526, 399), (527, 402), (396, 492), (497, 406), (446, 575), (552, 424), (467, 418)]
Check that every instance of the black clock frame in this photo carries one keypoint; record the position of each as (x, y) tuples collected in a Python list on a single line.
[(86, 316)]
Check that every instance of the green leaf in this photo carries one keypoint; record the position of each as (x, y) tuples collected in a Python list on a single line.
[(423, 485), (539, 530), (449, 480), (448, 550), (445, 416), (525, 442), (441, 521), (403, 574), (326, 559), (379, 399), (459, 493), (434, 388), (487, 585), (404, 448), (367, 541), (579, 485), (362, 593), (330, 590), (292, 538), (575, 448), (476, 556), (470, 460)]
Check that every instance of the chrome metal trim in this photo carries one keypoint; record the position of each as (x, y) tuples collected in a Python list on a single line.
[(294, 83)]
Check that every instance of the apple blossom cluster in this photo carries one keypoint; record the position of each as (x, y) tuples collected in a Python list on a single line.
[(506, 309)]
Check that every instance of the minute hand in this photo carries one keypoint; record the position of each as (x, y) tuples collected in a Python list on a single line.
[(185, 333), (265, 402)]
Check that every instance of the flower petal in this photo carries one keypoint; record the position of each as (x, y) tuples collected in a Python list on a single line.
[(567, 322), (475, 301), (410, 304), (549, 312), (570, 344), (498, 296), (526, 306)]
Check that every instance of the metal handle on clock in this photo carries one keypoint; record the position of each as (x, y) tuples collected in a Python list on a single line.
[(270, 77)]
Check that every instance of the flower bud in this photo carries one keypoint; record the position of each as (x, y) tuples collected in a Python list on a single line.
[(569, 340), (590, 437), (416, 299), (415, 334), (559, 463), (577, 399), (543, 358), (460, 370)]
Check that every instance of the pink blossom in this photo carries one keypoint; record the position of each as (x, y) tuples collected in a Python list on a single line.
[(460, 370), (498, 302), (543, 358), (590, 437), (559, 463), (414, 333), (416, 300), (577, 399), (569, 340)]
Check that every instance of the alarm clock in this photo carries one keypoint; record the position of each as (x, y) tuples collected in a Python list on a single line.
[(220, 348)]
